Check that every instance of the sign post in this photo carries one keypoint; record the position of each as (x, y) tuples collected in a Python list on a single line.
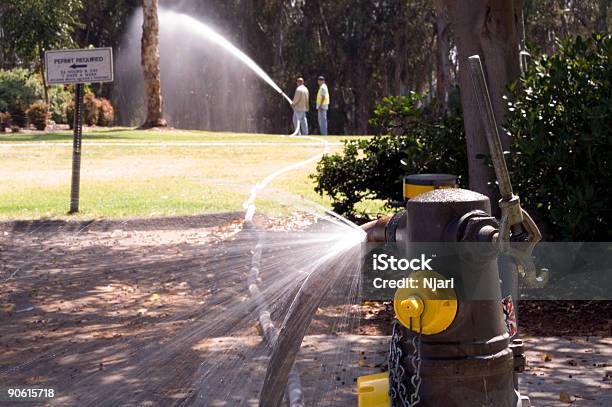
[(78, 66), (77, 137)]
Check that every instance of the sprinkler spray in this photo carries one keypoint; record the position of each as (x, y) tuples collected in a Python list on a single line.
[(286, 97)]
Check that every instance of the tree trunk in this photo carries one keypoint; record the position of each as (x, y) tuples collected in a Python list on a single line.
[(601, 24), (398, 63), (399, 42), (520, 23), (487, 28), (150, 65), (362, 96), (443, 63)]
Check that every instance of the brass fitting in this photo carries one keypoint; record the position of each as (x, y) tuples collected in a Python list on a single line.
[(386, 229)]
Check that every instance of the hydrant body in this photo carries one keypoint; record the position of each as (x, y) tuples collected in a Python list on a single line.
[(471, 363)]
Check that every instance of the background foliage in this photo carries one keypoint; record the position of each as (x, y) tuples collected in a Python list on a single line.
[(562, 154), (367, 49), (18, 90), (412, 139), (18, 87), (30, 27), (561, 158)]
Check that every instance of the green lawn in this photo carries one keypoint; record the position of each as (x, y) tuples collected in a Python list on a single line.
[(128, 173), (123, 134)]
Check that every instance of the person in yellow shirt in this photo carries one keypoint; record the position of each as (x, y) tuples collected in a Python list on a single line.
[(322, 105)]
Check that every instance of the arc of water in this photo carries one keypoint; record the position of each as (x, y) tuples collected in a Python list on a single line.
[(211, 35)]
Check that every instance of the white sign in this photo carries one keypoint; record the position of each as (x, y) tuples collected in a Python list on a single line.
[(79, 65)]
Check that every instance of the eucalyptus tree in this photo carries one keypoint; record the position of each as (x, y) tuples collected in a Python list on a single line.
[(150, 65), (488, 28)]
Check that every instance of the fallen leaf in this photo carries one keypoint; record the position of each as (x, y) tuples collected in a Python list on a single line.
[(110, 335), (154, 297), (547, 358), (566, 397), (8, 308)]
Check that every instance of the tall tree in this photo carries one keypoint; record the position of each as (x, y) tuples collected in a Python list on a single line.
[(150, 65), (29, 27), (487, 28), (443, 62)]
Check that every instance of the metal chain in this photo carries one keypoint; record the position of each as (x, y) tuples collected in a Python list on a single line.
[(398, 391), (415, 380), (397, 388)]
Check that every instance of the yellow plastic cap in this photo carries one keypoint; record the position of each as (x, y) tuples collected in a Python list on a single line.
[(435, 309), (373, 390)]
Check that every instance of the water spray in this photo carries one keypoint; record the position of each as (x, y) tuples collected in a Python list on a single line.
[(288, 98), (281, 375)]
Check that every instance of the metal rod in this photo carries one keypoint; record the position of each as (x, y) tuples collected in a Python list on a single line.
[(485, 107), (76, 149)]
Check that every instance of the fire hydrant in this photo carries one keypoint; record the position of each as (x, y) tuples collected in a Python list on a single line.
[(447, 351)]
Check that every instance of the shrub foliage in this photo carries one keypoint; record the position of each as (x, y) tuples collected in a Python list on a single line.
[(5, 121), (106, 113), (95, 111), (562, 154), (412, 139), (561, 162), (38, 114), (90, 109), (59, 99), (18, 90)]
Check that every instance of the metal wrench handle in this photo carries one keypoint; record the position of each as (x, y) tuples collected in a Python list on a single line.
[(514, 220), (490, 127)]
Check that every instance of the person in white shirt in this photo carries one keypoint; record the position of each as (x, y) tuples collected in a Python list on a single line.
[(300, 107)]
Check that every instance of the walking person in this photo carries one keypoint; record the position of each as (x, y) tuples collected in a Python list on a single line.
[(322, 105), (300, 107)]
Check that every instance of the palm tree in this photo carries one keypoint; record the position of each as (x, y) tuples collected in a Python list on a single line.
[(150, 65)]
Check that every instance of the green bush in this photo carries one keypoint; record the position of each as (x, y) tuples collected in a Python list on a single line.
[(18, 114), (90, 109), (18, 90), (561, 118), (5, 121), (59, 98), (95, 111), (38, 115), (106, 114), (70, 114), (412, 140)]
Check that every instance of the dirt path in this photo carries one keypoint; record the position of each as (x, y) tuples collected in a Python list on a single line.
[(79, 298)]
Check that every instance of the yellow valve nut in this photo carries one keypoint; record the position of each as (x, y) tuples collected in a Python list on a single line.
[(373, 390), (436, 309), (412, 307)]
